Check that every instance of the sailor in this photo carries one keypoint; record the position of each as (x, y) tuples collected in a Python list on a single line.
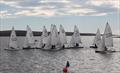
[(65, 69), (95, 46), (67, 64)]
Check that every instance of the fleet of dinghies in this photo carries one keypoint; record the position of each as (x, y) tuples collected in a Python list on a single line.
[(58, 41)]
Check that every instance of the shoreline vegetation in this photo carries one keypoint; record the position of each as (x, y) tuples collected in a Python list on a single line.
[(6, 33)]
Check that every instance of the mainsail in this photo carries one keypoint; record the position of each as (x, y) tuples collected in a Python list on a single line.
[(44, 35), (48, 43), (29, 40), (97, 40), (13, 40), (55, 37), (62, 35), (75, 37), (51, 29), (108, 36)]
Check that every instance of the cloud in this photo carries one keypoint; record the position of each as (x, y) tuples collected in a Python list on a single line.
[(35, 13), (112, 3), (49, 8), (4, 13)]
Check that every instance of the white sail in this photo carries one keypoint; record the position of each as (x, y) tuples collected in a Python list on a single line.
[(29, 40), (75, 37), (51, 29), (13, 40), (62, 35), (48, 43), (44, 35), (108, 36), (102, 45), (55, 37), (97, 39)]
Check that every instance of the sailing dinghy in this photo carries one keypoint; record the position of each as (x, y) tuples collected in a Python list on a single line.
[(13, 44), (97, 40), (55, 39), (62, 35), (107, 41), (29, 39), (44, 36), (76, 39)]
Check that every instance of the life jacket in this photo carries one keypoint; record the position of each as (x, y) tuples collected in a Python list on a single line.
[(65, 70)]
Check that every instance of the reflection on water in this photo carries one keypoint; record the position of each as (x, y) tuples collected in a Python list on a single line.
[(37, 61)]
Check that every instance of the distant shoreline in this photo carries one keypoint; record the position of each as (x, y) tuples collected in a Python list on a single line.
[(6, 33)]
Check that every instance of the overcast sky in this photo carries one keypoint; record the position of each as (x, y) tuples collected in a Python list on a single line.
[(88, 15)]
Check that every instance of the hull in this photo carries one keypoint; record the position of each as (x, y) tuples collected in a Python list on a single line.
[(51, 49), (10, 49), (106, 52), (93, 47), (37, 48), (73, 47), (27, 48)]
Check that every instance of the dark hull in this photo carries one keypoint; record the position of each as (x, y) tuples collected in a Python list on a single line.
[(73, 47), (102, 52), (51, 49), (12, 49), (105, 52), (93, 47), (27, 48), (38, 48)]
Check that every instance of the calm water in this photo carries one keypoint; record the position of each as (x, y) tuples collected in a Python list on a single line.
[(37, 61)]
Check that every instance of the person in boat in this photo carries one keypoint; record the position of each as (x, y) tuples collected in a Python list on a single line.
[(63, 46), (53, 47), (77, 45), (95, 46), (65, 69), (105, 48), (67, 64)]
